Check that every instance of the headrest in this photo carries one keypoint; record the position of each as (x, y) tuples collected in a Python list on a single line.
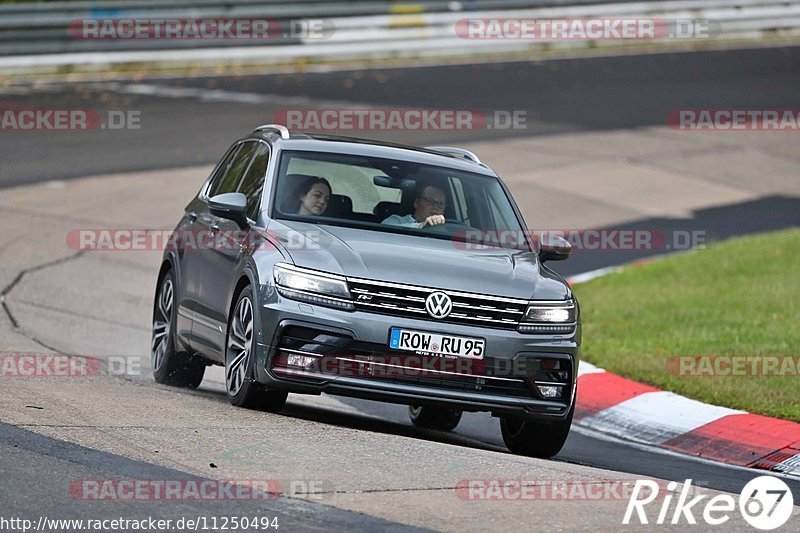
[(339, 205)]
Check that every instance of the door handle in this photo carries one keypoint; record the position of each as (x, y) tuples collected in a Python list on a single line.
[(214, 227)]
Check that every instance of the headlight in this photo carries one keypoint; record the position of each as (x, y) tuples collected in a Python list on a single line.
[(549, 317), (312, 287)]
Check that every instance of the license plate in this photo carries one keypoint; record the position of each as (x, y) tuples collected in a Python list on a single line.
[(436, 343)]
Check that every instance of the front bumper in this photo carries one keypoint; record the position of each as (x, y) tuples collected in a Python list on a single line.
[(354, 360)]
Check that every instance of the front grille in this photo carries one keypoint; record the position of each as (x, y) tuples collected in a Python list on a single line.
[(409, 301)]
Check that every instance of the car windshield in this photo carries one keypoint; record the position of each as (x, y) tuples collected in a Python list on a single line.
[(396, 196)]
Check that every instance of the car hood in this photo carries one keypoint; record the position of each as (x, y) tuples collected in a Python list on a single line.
[(414, 260)]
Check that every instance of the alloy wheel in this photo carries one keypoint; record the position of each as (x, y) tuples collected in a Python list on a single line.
[(162, 322), (237, 359)]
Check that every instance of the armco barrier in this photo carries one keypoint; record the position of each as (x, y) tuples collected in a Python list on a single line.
[(34, 36)]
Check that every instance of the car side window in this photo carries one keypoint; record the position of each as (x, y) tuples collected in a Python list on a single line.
[(501, 219), (229, 178), (253, 182), (223, 166)]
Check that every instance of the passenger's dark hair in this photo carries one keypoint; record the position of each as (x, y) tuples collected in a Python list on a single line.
[(306, 186), (291, 204)]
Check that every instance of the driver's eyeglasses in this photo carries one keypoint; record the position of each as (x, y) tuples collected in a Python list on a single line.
[(434, 203)]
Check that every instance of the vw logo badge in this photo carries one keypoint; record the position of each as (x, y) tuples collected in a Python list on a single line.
[(438, 305)]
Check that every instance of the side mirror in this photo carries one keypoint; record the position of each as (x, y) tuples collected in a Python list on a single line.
[(231, 205), (553, 247)]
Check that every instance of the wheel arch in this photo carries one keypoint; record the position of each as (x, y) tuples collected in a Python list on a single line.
[(168, 263), (245, 278)]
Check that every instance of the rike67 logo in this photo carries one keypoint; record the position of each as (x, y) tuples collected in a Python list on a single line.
[(766, 503)]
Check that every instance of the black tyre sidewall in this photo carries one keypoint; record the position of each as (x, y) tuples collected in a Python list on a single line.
[(536, 439), (177, 369), (435, 417)]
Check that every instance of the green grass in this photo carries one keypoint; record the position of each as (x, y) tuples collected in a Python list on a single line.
[(739, 297)]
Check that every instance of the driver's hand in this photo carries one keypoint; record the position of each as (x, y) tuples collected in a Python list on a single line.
[(433, 220)]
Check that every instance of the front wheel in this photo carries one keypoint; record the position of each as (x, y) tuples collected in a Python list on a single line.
[(434, 417), (243, 389), (535, 439), (171, 367)]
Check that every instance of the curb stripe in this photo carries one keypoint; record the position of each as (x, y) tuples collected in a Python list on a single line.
[(633, 411), (585, 368), (601, 391), (655, 417), (742, 439)]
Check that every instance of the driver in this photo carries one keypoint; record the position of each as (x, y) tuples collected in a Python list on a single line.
[(429, 206)]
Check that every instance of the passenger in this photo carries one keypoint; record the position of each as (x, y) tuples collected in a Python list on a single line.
[(429, 206), (312, 197)]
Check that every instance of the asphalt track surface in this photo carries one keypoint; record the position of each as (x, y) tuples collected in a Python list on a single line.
[(559, 96), (31, 463)]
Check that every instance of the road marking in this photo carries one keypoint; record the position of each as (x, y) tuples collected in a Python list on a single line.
[(592, 274), (219, 95)]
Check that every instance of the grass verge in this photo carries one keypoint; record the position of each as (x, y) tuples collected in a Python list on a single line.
[(740, 297)]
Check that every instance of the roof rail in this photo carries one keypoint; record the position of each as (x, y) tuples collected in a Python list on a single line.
[(452, 150), (283, 130)]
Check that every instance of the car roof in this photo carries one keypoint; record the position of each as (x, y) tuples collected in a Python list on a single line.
[(314, 142)]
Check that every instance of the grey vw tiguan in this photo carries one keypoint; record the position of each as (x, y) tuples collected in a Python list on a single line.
[(312, 263)]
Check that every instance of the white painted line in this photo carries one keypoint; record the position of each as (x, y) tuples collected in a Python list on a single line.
[(655, 417), (592, 274), (219, 95)]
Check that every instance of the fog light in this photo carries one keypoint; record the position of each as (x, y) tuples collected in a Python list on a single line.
[(302, 361), (549, 391)]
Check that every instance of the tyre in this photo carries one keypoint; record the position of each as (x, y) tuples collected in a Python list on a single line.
[(171, 367), (240, 348), (535, 439), (434, 417)]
